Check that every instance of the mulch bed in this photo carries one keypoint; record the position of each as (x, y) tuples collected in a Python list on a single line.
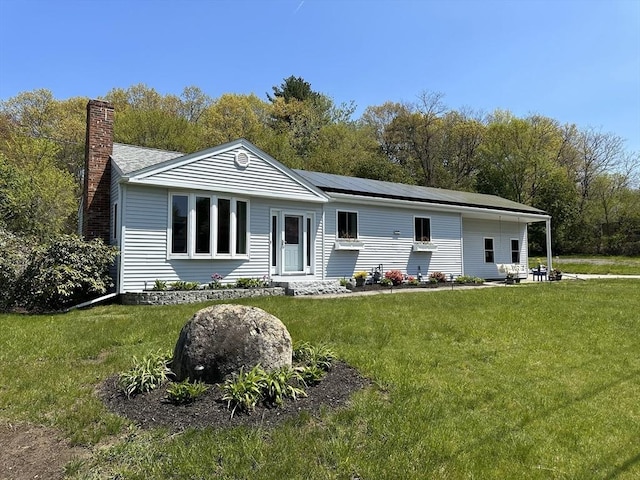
[(405, 286), (152, 410)]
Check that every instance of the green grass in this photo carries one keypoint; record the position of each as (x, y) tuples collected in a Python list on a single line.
[(535, 381), (594, 264)]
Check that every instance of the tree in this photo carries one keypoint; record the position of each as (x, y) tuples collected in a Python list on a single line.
[(36, 197), (235, 116)]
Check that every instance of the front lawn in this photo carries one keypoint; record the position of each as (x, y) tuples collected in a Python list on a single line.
[(531, 381)]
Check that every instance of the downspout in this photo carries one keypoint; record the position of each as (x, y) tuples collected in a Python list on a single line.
[(549, 254), (121, 240), (324, 226)]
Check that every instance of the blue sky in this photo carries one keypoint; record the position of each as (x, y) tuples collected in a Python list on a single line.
[(577, 61)]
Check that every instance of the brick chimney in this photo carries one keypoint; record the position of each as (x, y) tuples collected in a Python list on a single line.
[(97, 171)]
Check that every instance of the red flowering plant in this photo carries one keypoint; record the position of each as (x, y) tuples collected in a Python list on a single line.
[(395, 276)]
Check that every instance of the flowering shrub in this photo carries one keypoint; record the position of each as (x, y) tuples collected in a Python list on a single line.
[(412, 280), (395, 276), (216, 281), (439, 277)]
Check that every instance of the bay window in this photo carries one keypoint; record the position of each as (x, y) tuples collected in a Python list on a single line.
[(205, 226)]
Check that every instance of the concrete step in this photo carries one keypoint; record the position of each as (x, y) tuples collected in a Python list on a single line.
[(311, 287)]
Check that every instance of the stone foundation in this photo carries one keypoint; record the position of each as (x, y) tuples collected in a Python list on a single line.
[(171, 297)]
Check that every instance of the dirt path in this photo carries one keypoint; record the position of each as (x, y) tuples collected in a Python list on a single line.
[(34, 452)]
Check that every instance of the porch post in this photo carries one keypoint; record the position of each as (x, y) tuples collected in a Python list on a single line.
[(549, 253)]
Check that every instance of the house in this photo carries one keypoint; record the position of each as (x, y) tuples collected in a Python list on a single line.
[(234, 211)]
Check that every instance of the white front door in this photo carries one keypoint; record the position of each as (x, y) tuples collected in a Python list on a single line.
[(293, 243)]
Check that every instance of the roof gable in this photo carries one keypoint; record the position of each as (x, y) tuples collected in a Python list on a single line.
[(238, 167)]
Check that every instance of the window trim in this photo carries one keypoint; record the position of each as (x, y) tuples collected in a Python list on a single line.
[(115, 234), (213, 227), (415, 236), (515, 251), (338, 237), (492, 249)]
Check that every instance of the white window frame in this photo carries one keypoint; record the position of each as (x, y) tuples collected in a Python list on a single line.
[(415, 217), (115, 236), (213, 225), (338, 237), (514, 251), (492, 250)]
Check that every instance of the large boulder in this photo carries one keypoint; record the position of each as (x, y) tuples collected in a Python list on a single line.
[(221, 339)]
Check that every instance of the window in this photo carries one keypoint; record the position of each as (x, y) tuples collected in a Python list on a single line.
[(179, 215), (203, 225), (115, 221), (241, 227), (515, 250), (274, 240), (348, 225), (224, 226), (488, 250), (422, 229), (206, 226), (308, 240)]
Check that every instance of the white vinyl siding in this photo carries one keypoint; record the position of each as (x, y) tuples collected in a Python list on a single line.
[(146, 242), (502, 232), (388, 237), (221, 173)]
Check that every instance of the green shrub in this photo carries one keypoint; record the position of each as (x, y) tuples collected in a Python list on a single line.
[(184, 392), (181, 285), (146, 374), (252, 283), (309, 374), (469, 279), (65, 272), (244, 389), (159, 285), (14, 256), (321, 355), (278, 386)]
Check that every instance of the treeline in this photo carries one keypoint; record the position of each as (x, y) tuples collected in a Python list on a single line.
[(584, 178)]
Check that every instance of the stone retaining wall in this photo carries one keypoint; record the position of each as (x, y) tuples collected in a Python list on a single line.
[(171, 297)]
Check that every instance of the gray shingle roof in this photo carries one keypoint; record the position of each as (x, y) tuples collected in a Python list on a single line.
[(400, 191), (130, 158)]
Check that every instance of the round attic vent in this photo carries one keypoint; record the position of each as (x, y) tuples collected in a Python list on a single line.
[(242, 159)]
